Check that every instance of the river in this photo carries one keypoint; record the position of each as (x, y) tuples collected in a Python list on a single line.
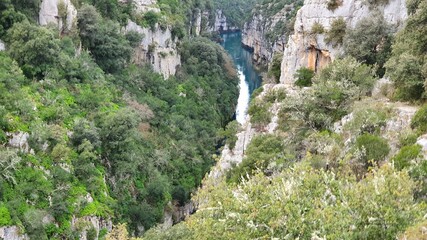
[(249, 78)]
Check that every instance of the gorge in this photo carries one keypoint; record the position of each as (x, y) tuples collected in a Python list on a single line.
[(249, 78), (127, 119)]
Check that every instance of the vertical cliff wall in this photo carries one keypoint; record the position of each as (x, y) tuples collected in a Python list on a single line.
[(304, 49), (157, 48), (59, 12), (267, 34)]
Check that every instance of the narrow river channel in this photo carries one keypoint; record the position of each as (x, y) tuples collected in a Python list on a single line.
[(249, 78)]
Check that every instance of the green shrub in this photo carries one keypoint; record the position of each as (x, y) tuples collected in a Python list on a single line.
[(406, 155), (419, 121), (275, 95), (304, 77), (229, 133), (275, 70), (336, 33), (375, 147), (317, 28), (370, 41), (152, 18), (333, 4), (261, 152), (5, 219), (259, 112)]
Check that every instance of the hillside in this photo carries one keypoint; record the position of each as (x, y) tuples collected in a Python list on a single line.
[(116, 120)]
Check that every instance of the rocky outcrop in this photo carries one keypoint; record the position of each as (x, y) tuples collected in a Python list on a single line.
[(19, 140), (304, 49), (221, 24), (85, 224), (12, 233), (59, 12), (2, 46), (257, 35), (157, 48), (232, 157), (205, 21)]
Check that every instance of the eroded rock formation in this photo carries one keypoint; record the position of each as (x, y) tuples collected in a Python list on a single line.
[(305, 49)]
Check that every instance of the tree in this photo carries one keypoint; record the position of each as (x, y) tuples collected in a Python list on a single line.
[(110, 49), (408, 62), (303, 77), (370, 41), (336, 33), (36, 49)]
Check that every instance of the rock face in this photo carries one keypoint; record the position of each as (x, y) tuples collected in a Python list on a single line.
[(157, 48), (12, 233), (205, 21), (221, 24), (146, 5), (304, 49), (60, 12), (2, 46), (255, 32), (84, 224), (19, 140)]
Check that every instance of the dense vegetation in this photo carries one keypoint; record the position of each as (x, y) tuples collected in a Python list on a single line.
[(337, 166), (106, 137)]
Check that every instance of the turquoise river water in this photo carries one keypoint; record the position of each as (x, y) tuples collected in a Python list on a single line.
[(249, 78)]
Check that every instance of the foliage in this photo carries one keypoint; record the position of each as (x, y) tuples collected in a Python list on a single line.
[(263, 152), (333, 4), (260, 113), (309, 203), (303, 77), (419, 121), (5, 218), (110, 49), (334, 89), (406, 155), (275, 67), (408, 61), (35, 48), (374, 148), (368, 119), (370, 41), (229, 133), (335, 35), (317, 28)]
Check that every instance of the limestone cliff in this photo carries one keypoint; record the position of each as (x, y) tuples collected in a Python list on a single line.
[(304, 49), (264, 34), (59, 12), (157, 48), (205, 21)]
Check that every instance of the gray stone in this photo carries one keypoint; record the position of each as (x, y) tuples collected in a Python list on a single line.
[(49, 14), (157, 48), (12, 233), (297, 51)]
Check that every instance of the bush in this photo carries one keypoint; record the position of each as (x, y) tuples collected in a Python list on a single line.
[(336, 33), (152, 18), (317, 28), (370, 41), (333, 4), (260, 113), (304, 77), (5, 219), (261, 152), (406, 155), (419, 121), (374, 147), (275, 69)]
